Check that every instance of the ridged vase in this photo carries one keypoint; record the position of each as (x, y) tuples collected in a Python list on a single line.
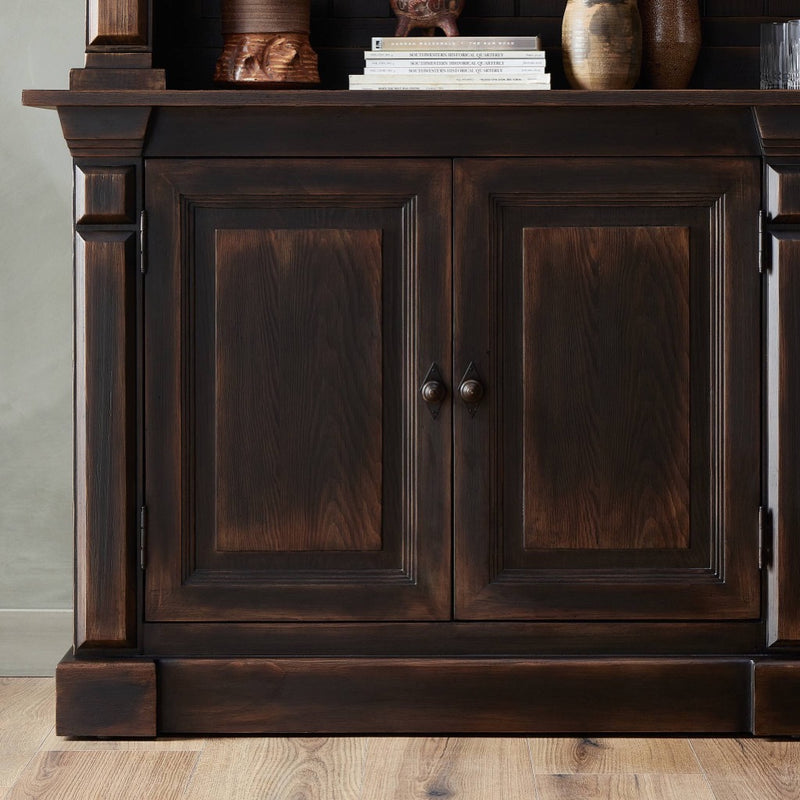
[(602, 44)]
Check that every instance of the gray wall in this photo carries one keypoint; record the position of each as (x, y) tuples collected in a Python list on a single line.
[(41, 40)]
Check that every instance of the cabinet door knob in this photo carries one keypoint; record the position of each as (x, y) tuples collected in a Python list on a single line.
[(433, 392), (471, 392)]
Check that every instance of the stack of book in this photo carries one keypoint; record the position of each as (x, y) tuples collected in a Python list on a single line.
[(458, 62)]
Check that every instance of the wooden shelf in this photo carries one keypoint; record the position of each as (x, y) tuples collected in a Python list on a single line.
[(55, 98)]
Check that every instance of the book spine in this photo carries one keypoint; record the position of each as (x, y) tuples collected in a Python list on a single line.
[(416, 87), (456, 43), (472, 55), (521, 64), (454, 71), (447, 80)]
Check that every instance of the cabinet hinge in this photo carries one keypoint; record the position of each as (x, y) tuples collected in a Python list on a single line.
[(763, 253), (764, 537), (143, 242), (143, 537)]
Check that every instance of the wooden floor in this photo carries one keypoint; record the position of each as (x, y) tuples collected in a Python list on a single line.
[(35, 763)]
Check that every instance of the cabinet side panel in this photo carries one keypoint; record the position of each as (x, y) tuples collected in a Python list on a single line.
[(606, 376), (783, 438), (105, 451), (298, 360)]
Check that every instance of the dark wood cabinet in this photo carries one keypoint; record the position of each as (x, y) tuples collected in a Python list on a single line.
[(430, 412)]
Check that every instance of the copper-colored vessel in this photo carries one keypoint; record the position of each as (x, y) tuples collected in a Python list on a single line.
[(671, 39), (428, 14), (602, 44), (267, 44)]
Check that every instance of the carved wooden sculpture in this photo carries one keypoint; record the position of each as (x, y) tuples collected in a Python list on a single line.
[(430, 14), (266, 42)]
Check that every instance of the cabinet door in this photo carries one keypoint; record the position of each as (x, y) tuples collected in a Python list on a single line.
[(292, 311), (611, 310)]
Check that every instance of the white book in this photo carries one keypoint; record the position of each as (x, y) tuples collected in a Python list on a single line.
[(522, 64), (438, 82), (437, 78), (456, 43), (473, 55), (463, 86), (473, 71)]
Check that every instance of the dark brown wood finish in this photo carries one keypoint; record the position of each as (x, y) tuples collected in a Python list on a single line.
[(776, 698), (783, 436), (105, 698), (121, 23), (589, 411), (105, 450), (783, 193), (294, 309), (105, 195), (454, 696)]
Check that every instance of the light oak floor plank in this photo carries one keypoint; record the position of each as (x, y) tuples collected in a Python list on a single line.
[(454, 768), (56, 742), (279, 769), (751, 769), (11, 766), (623, 787), (608, 755), (98, 775), (27, 713)]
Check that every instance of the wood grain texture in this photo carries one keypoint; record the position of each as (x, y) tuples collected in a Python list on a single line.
[(105, 698), (783, 193), (122, 775), (27, 706), (623, 787), (783, 436), (368, 271), (414, 696), (776, 699), (105, 195), (751, 769), (610, 755), (692, 370), (298, 390), (462, 769), (606, 373), (117, 22), (105, 449), (311, 769)]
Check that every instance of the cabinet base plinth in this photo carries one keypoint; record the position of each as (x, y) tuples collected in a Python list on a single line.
[(438, 696), (105, 698)]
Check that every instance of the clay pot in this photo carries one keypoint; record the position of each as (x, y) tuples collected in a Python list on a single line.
[(602, 44), (670, 42), (428, 14), (267, 44)]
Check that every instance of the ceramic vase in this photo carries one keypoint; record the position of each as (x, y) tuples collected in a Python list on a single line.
[(602, 44), (670, 42)]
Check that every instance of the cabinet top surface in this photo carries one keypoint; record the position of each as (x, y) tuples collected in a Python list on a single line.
[(55, 98)]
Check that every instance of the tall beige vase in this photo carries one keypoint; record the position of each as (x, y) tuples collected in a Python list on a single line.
[(602, 44), (671, 40)]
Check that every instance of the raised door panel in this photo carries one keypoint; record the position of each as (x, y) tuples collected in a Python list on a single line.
[(611, 310), (293, 469)]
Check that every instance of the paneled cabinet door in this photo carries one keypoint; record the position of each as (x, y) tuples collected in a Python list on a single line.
[(293, 469), (609, 311)]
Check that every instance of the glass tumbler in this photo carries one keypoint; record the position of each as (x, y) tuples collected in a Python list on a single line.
[(773, 55), (793, 54)]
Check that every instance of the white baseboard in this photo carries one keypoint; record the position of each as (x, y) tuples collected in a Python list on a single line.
[(33, 640)]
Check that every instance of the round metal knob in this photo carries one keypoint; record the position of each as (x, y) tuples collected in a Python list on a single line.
[(433, 392), (471, 391)]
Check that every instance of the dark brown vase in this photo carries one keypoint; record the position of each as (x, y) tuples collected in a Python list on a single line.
[(670, 42), (602, 44)]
